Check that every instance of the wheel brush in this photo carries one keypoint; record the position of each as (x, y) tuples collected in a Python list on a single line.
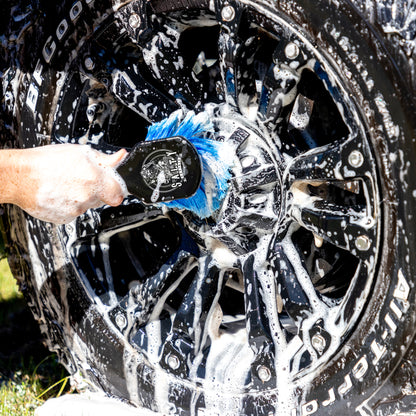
[(179, 165)]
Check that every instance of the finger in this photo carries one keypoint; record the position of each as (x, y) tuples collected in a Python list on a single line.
[(116, 158), (112, 192), (106, 160)]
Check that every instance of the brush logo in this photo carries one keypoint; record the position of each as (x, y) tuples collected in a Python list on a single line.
[(162, 171)]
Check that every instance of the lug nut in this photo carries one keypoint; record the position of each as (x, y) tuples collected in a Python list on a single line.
[(292, 50), (319, 343), (121, 320), (134, 21), (356, 159), (264, 373), (228, 13), (363, 243), (93, 110), (173, 362), (89, 63)]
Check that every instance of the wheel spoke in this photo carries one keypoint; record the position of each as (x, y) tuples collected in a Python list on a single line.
[(145, 296), (258, 321), (278, 90), (115, 249), (300, 299), (350, 228), (189, 333), (120, 72), (295, 300), (250, 77), (229, 47), (346, 160), (110, 219), (133, 91), (167, 64), (300, 115), (261, 320)]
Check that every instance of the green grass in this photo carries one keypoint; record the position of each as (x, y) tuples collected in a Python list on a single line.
[(29, 373), (30, 386), (8, 286)]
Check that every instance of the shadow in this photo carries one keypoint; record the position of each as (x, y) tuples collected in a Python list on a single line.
[(22, 349)]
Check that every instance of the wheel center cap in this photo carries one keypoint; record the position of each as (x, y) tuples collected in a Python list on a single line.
[(255, 198)]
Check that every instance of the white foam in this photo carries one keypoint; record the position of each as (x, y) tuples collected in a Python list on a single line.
[(90, 404)]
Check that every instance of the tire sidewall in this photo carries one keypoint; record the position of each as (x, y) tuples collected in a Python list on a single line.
[(69, 316)]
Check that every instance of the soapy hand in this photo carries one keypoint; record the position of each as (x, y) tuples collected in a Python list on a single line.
[(57, 183)]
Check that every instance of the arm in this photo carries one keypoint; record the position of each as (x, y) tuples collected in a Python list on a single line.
[(57, 183)]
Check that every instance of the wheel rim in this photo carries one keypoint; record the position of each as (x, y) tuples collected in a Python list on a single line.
[(278, 278)]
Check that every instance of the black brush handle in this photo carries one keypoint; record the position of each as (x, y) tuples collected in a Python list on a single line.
[(162, 170)]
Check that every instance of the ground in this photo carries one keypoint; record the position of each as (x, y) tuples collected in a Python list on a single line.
[(28, 371)]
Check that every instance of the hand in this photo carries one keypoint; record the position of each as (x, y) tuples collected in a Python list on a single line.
[(57, 183)]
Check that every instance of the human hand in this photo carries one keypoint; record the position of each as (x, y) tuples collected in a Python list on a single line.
[(57, 183)]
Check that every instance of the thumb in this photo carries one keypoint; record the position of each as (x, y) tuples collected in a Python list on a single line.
[(115, 159)]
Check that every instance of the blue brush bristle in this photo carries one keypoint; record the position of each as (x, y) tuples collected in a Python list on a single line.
[(197, 128)]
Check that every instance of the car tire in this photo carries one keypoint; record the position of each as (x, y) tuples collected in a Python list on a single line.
[(302, 308)]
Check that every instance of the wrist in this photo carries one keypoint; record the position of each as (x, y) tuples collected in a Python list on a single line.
[(15, 167)]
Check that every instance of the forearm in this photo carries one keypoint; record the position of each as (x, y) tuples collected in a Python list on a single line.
[(14, 171), (57, 183)]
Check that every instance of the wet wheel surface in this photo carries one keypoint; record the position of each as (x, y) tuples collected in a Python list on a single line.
[(296, 297)]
